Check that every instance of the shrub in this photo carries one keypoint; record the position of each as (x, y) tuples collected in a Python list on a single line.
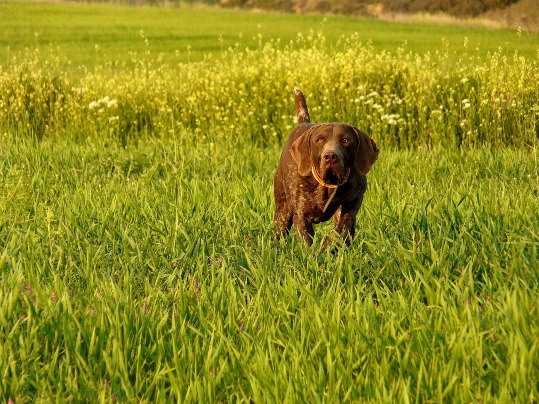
[(460, 8)]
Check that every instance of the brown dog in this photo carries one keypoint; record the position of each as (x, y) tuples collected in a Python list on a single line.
[(322, 173)]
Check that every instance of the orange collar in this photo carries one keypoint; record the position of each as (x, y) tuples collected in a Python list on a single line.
[(319, 179)]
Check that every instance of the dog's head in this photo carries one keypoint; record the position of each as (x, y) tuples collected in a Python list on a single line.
[(332, 150)]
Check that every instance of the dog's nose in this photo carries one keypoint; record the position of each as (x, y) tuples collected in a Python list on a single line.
[(330, 157)]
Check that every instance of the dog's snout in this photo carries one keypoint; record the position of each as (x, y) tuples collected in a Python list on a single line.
[(330, 156)]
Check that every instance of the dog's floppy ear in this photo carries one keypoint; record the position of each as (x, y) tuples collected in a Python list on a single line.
[(301, 152), (367, 152)]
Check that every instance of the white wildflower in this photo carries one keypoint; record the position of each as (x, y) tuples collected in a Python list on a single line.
[(392, 119)]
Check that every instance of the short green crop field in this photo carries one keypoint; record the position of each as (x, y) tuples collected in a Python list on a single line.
[(92, 34), (137, 257)]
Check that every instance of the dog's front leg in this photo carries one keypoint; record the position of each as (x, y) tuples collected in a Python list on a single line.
[(304, 228), (345, 220)]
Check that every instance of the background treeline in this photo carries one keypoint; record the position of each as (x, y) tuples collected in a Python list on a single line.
[(461, 8), (510, 13), (458, 8)]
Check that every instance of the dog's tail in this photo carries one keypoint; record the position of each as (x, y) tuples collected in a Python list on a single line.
[(302, 112)]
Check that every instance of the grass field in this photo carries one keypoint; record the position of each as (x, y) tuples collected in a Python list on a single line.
[(149, 272), (137, 259), (90, 35)]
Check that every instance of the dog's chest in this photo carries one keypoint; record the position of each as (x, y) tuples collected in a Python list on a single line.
[(319, 204)]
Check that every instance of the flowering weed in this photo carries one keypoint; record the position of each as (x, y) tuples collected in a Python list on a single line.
[(401, 99)]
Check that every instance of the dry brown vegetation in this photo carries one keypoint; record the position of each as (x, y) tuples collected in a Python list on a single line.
[(501, 13), (523, 14)]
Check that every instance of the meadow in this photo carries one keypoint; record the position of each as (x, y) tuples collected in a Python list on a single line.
[(137, 258), (94, 34)]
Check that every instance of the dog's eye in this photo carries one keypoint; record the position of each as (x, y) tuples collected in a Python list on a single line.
[(319, 140), (345, 140)]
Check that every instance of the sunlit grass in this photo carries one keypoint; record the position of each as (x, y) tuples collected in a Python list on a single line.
[(150, 271), (91, 34), (137, 259)]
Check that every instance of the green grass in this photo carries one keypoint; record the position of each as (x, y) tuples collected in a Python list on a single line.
[(150, 272), (74, 30), (137, 258)]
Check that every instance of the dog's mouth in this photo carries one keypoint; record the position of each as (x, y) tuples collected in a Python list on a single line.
[(334, 175)]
